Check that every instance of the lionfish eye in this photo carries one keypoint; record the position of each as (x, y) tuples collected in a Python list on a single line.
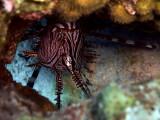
[(68, 61)]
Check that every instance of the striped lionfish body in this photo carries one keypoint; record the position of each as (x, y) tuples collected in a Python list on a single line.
[(61, 48), (62, 44)]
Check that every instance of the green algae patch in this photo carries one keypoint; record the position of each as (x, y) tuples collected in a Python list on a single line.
[(116, 101), (71, 94), (27, 117)]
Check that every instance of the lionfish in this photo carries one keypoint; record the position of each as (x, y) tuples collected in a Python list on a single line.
[(62, 47)]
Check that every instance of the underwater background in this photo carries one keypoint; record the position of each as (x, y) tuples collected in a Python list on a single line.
[(124, 80)]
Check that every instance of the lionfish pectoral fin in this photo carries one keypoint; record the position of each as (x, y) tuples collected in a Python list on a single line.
[(90, 55), (88, 69), (38, 41), (76, 77), (59, 87), (30, 54), (34, 65)]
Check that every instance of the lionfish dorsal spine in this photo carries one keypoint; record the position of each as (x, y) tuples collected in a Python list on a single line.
[(137, 43)]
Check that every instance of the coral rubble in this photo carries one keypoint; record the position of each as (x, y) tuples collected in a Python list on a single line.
[(131, 102)]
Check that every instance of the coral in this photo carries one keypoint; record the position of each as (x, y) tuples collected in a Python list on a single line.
[(16, 29), (12, 103), (119, 14), (131, 10), (120, 102), (71, 10), (73, 112), (115, 101), (157, 7), (3, 32), (121, 11), (140, 100), (43, 103), (20, 8), (144, 7)]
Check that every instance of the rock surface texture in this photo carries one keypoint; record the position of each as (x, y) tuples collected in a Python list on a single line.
[(115, 102)]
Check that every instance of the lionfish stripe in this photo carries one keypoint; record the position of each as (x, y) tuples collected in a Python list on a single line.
[(53, 51), (60, 26), (149, 46), (136, 43), (47, 52), (115, 40), (69, 25), (78, 47), (53, 60), (130, 42), (54, 29), (70, 46), (65, 25)]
